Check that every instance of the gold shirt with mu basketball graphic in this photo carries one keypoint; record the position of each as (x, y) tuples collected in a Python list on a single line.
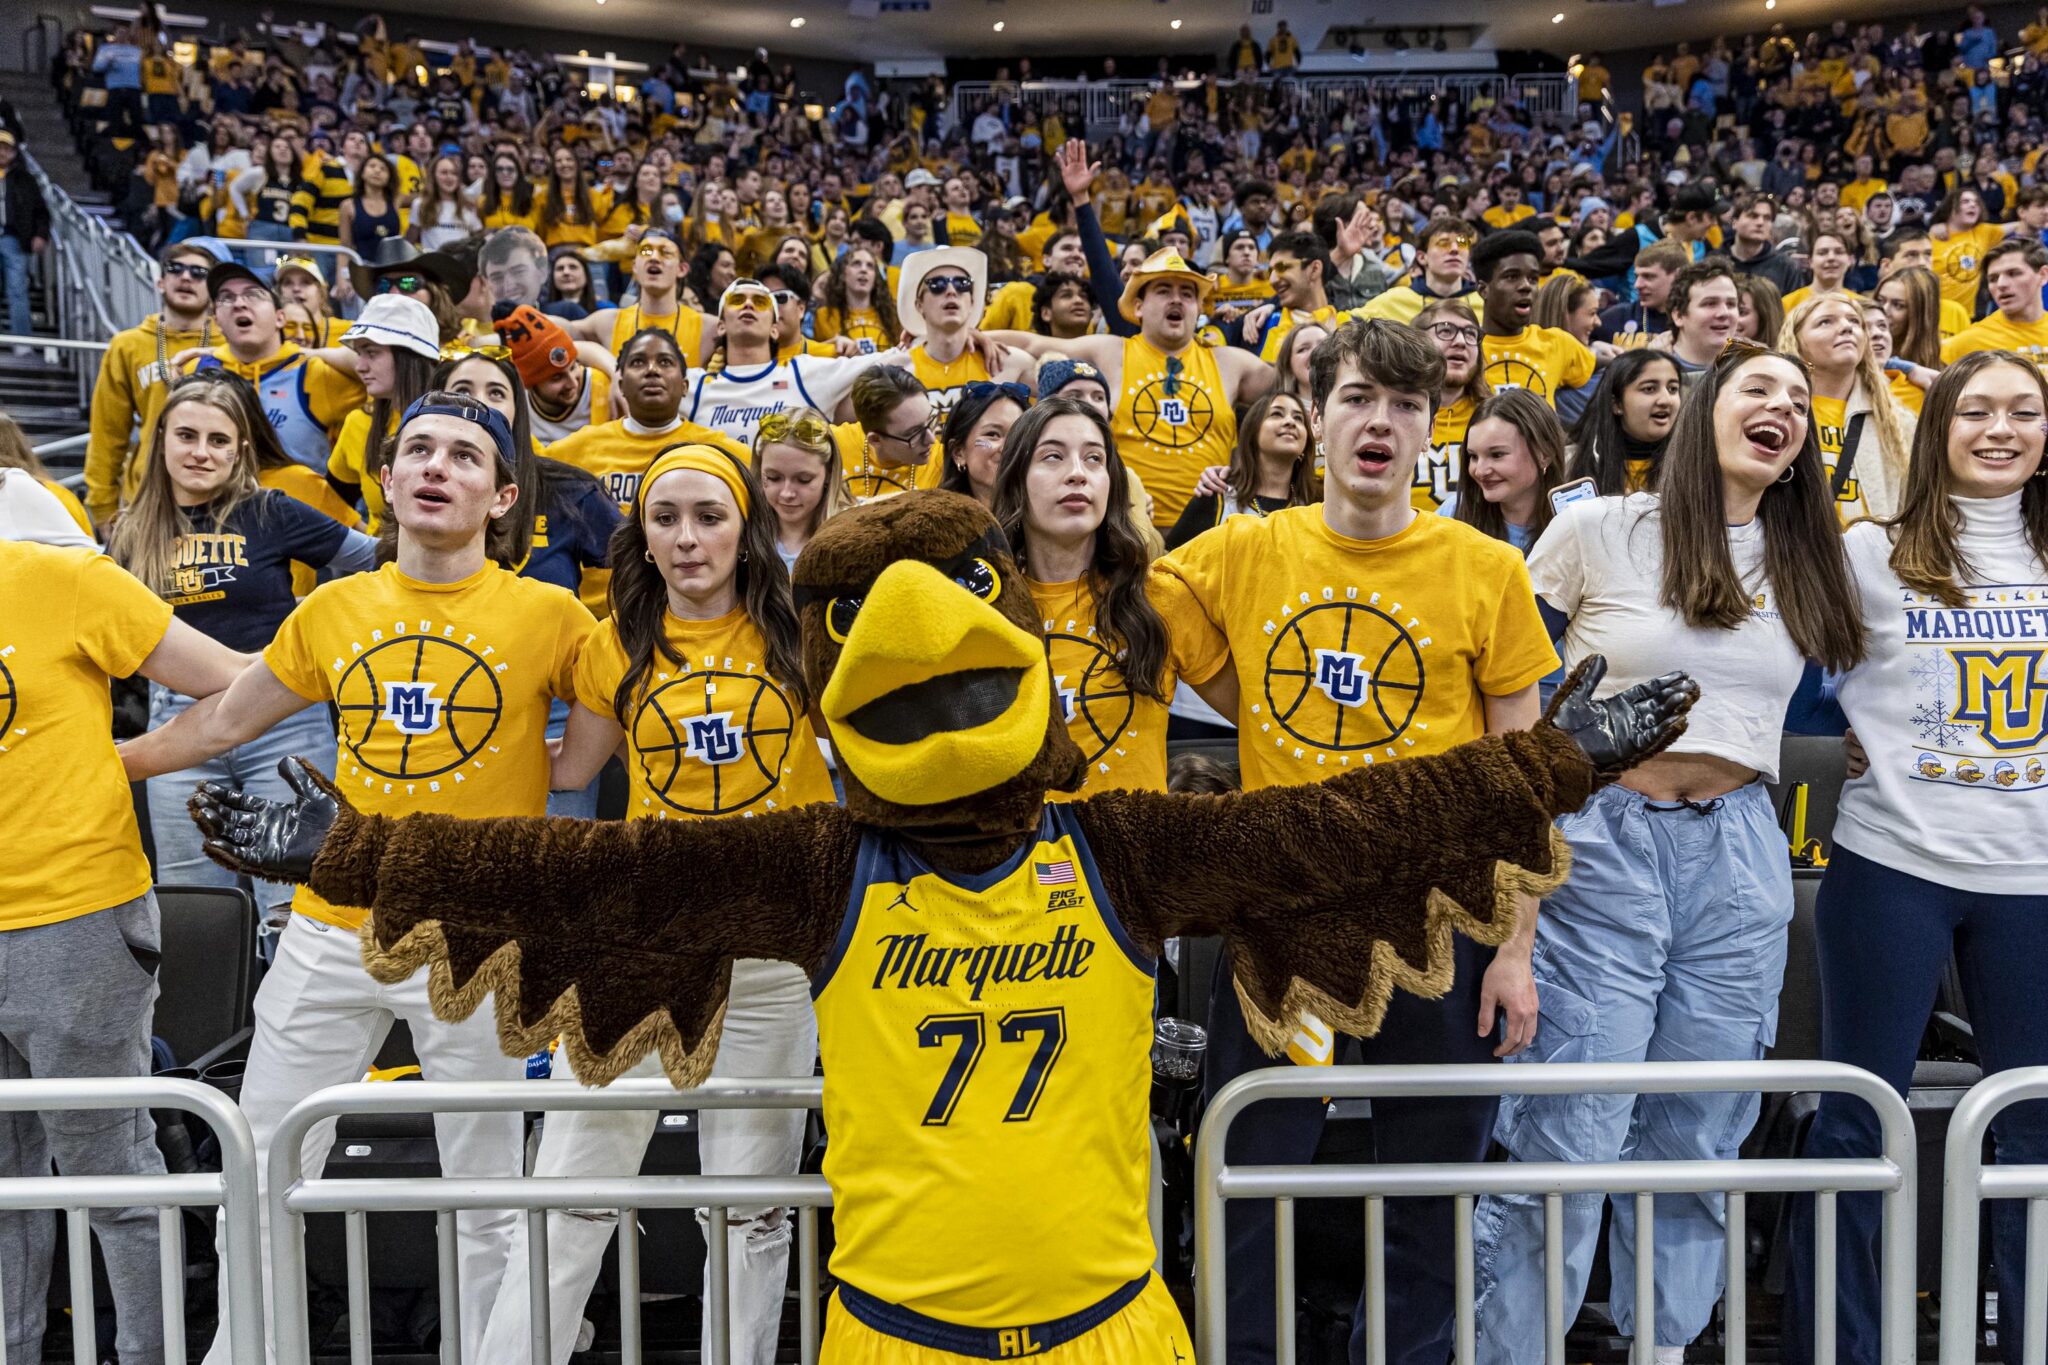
[(1172, 420), (442, 690), (989, 1038)]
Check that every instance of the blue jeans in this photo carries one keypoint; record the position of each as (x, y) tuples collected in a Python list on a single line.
[(1667, 944), (14, 258), (180, 856), (580, 805), (1884, 939)]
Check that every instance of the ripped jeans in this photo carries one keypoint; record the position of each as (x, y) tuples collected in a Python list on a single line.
[(770, 1031)]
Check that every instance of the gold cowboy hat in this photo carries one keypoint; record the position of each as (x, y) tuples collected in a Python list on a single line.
[(1166, 264)]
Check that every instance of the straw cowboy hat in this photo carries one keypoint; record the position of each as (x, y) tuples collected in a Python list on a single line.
[(1162, 265), (924, 263)]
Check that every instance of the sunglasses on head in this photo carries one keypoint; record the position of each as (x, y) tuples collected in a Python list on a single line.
[(948, 284), (191, 270), (458, 350), (805, 430), (400, 284), (984, 388)]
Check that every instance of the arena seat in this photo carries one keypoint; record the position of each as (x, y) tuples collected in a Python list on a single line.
[(1817, 761), (205, 1007)]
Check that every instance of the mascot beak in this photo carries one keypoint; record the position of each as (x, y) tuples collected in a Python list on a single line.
[(936, 694)]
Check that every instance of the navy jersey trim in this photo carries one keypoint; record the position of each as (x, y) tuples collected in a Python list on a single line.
[(1064, 821), (872, 863), (985, 1343)]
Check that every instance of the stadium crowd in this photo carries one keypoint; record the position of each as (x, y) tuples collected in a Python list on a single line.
[(1738, 374)]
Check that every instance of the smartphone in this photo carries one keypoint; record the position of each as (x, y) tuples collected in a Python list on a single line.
[(1578, 490)]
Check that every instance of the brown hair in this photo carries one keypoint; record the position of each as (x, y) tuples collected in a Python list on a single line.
[(1537, 421), (1127, 625), (1766, 303), (1926, 554), (1391, 354), (1692, 277), (639, 600), (145, 539), (1920, 340), (1476, 387), (16, 452), (1244, 456), (1803, 557)]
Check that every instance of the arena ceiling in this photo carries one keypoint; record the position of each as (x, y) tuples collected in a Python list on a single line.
[(897, 29)]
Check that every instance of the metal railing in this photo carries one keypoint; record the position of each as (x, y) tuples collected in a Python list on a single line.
[(1966, 1184), (292, 1196), (99, 281), (1891, 1175), (232, 1190)]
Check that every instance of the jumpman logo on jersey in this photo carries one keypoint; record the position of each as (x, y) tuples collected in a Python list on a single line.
[(902, 899)]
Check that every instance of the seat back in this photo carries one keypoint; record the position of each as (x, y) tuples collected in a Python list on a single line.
[(1799, 998), (1816, 760), (206, 987)]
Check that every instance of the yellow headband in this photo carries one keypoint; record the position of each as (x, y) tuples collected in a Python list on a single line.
[(705, 460)]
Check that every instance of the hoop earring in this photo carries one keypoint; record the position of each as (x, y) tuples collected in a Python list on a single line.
[(647, 555), (1786, 477)]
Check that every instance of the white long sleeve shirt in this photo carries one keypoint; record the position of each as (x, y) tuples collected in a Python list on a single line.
[(1951, 703)]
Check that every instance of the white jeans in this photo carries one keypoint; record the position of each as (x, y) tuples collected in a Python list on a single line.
[(320, 1019), (770, 1030)]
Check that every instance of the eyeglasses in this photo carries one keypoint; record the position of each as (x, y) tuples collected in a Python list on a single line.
[(919, 435), (191, 270), (1452, 331), (242, 296), (400, 284), (948, 284), (986, 388), (804, 430)]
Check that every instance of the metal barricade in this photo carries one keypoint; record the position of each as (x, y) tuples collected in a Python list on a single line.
[(1966, 1183), (292, 1196), (1891, 1175), (232, 1190)]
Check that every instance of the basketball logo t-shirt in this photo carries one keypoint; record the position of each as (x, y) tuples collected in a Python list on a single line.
[(1120, 731), (1359, 651), (1172, 420), (711, 735), (74, 619), (442, 691), (1539, 359), (617, 453)]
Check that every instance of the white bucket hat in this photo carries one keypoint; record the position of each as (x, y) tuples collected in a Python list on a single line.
[(398, 321), (924, 263)]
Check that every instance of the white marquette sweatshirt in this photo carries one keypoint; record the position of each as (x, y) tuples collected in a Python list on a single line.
[(1951, 703)]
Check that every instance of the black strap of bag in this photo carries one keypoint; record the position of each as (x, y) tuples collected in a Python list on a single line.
[(1846, 461)]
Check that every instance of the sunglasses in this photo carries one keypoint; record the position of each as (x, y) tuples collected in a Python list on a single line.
[(949, 284), (400, 284), (458, 350), (783, 297), (662, 250), (191, 270), (804, 430), (987, 388), (738, 298)]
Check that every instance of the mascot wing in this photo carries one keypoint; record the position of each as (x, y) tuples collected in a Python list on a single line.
[(618, 937), (1329, 896)]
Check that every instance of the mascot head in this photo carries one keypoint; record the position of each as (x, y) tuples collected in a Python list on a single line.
[(924, 648)]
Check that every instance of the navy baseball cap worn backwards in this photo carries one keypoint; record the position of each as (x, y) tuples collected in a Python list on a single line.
[(469, 410)]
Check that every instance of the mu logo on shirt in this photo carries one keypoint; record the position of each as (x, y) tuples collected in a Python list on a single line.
[(412, 707), (1341, 677), (714, 739), (2004, 693)]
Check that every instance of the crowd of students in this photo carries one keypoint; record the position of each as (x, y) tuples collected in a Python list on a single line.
[(1346, 463)]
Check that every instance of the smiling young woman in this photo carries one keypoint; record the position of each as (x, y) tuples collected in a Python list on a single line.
[(1941, 846), (1620, 438), (1864, 433), (1669, 940)]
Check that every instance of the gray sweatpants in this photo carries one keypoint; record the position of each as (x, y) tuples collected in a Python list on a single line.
[(75, 1000)]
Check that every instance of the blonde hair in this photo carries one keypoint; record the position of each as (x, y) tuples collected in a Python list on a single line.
[(1892, 445), (835, 499), (145, 539)]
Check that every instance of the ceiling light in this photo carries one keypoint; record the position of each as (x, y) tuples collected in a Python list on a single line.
[(999, 26), (1175, 24), (1770, 4), (1557, 18), (797, 22)]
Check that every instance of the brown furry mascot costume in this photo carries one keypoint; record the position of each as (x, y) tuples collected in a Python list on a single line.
[(982, 958)]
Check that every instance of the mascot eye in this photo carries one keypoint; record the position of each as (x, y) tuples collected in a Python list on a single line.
[(839, 614), (980, 578)]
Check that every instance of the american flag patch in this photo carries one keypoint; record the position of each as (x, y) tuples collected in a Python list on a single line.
[(1055, 874)]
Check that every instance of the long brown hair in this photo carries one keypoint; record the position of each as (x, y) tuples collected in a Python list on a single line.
[(1243, 478), (880, 298), (1920, 339), (1537, 421), (145, 539), (1926, 554), (1127, 625), (639, 599), (551, 203), (1803, 557)]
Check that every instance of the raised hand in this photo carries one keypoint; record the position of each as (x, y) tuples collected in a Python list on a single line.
[(1626, 728), (273, 839), (1075, 169)]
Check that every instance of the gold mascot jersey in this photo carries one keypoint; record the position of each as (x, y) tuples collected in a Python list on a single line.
[(989, 1039), (1172, 420)]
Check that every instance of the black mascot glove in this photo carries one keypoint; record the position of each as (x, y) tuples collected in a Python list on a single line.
[(273, 839), (1626, 728)]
